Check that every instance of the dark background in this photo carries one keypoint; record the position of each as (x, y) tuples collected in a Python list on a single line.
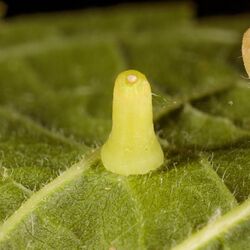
[(203, 8)]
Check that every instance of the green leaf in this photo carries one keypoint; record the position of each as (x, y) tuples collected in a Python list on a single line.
[(192, 128), (55, 113)]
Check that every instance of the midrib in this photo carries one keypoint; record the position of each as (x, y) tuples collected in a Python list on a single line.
[(213, 230), (32, 203)]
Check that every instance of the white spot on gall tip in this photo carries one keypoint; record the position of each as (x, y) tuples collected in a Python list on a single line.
[(132, 78)]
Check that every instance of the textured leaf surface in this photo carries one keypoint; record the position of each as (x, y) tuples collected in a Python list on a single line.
[(56, 80)]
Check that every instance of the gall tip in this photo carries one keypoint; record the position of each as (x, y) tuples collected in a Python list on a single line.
[(131, 78)]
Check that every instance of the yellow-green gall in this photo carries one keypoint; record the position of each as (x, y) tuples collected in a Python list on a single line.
[(132, 147), (246, 51)]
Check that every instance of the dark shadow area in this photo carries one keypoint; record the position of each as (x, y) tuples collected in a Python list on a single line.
[(17, 7), (221, 7), (203, 7)]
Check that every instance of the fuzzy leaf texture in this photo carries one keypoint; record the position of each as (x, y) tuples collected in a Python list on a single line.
[(56, 79)]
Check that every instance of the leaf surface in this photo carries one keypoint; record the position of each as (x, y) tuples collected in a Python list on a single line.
[(55, 112)]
